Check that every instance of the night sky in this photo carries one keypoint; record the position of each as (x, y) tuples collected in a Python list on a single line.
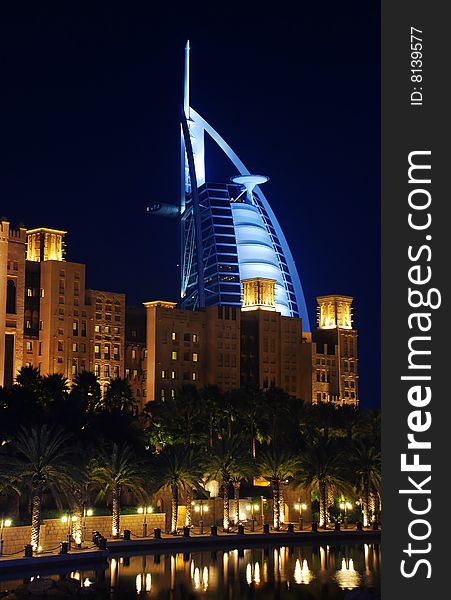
[(90, 134)]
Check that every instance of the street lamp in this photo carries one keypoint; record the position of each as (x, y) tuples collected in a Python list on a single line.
[(3, 523), (300, 506), (87, 512), (345, 506), (145, 510), (253, 508), (201, 508), (69, 519)]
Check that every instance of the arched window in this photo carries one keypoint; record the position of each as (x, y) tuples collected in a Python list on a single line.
[(11, 297)]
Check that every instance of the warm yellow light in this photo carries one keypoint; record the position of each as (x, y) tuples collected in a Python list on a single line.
[(193, 503), (149, 509), (248, 507), (342, 506), (64, 519), (197, 508), (303, 506), (256, 507), (348, 505), (89, 512), (7, 523), (140, 510), (205, 508), (297, 506), (74, 518)]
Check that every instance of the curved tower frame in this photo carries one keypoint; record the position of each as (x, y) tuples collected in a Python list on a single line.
[(193, 129)]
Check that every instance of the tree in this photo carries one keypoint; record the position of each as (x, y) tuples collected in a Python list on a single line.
[(43, 460), (119, 397), (178, 468), (86, 390), (224, 459), (321, 465), (276, 465), (28, 378), (243, 468), (365, 472), (117, 470)]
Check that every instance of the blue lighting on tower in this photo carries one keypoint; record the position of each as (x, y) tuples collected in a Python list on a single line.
[(228, 230)]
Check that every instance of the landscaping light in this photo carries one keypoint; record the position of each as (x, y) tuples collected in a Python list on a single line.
[(7, 523), (256, 507), (64, 519), (140, 510), (89, 512)]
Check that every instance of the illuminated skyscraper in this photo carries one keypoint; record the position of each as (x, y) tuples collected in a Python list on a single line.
[(228, 231)]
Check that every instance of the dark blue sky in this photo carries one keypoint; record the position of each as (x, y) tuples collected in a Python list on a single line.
[(89, 134)]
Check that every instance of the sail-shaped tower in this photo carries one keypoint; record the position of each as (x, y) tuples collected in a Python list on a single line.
[(229, 232)]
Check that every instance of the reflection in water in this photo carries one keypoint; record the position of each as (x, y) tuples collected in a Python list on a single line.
[(347, 577), (322, 571), (302, 574)]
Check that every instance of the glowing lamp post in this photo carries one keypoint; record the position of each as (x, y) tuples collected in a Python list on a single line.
[(253, 508), (69, 519), (345, 506), (300, 506), (201, 508), (3, 523), (145, 510)]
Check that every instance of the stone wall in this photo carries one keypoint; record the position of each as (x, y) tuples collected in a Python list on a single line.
[(53, 531)]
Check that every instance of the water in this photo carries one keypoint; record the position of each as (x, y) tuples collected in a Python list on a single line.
[(309, 572)]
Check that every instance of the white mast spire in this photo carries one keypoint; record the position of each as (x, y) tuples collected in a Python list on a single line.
[(186, 82)]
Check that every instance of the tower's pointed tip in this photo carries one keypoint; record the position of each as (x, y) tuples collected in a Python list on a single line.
[(187, 44)]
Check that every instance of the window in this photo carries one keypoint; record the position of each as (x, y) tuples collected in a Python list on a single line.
[(28, 324), (98, 328), (195, 357), (11, 297), (97, 370), (133, 354), (29, 292), (107, 370), (163, 374), (40, 348), (195, 338), (74, 347), (42, 292), (162, 394), (83, 328), (194, 376), (175, 355), (106, 352), (96, 351), (186, 356), (29, 346), (75, 327), (172, 393), (186, 337), (173, 375), (116, 353), (74, 367), (174, 335), (82, 347), (107, 329), (116, 370)]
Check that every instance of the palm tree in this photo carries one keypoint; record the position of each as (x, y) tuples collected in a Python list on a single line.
[(43, 460), (117, 470), (225, 460), (365, 469), (321, 465), (28, 378), (243, 468), (119, 397), (179, 469), (86, 388), (276, 465)]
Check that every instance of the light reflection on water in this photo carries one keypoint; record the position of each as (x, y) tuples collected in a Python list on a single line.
[(310, 572)]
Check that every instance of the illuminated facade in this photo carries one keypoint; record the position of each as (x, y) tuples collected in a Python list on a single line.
[(48, 319), (334, 353), (229, 232)]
